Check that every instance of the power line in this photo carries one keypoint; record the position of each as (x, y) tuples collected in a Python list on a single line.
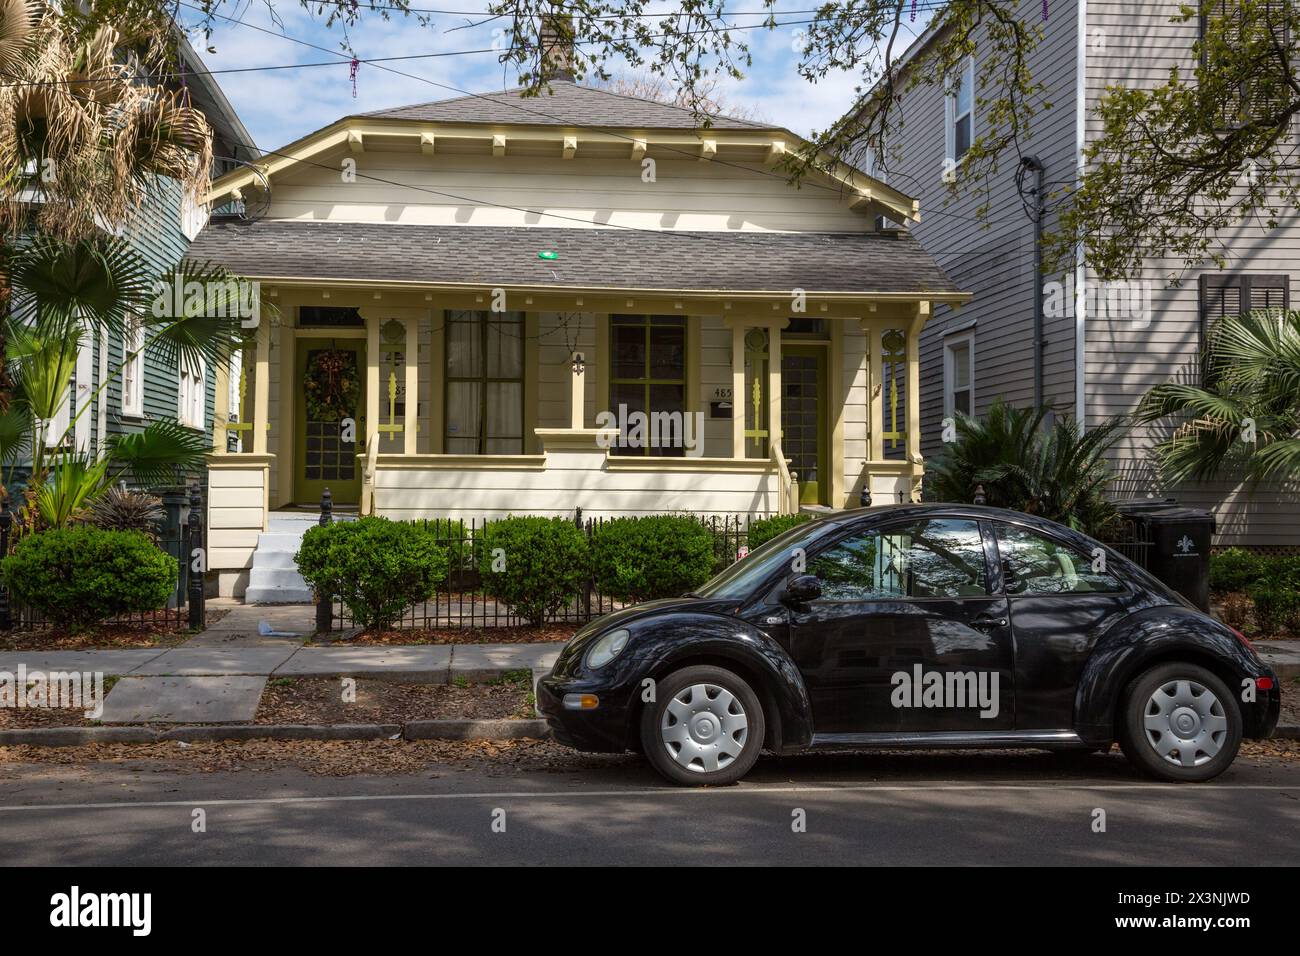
[(542, 113)]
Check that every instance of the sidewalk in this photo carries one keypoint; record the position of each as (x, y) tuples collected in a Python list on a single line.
[(218, 675)]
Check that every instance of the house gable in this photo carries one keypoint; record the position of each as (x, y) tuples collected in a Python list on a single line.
[(411, 169)]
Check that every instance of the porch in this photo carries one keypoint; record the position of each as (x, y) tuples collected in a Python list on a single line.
[(431, 404)]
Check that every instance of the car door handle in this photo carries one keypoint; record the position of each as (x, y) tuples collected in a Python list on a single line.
[(988, 621)]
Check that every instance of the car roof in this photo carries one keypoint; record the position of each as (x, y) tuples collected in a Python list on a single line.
[(937, 508)]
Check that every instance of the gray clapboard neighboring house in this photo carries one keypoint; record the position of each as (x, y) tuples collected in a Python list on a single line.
[(1101, 347)]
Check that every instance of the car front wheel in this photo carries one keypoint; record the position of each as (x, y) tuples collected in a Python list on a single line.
[(1181, 723), (704, 728)]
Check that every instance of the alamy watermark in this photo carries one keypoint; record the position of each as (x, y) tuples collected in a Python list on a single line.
[(1127, 299), (225, 298), (946, 690), (637, 429), (61, 690)]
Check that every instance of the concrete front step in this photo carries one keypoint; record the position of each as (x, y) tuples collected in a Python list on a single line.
[(262, 576), (277, 595)]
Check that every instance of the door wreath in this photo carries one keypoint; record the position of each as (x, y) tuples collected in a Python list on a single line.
[(331, 385)]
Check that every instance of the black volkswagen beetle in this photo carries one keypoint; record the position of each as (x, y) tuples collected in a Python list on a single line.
[(914, 626)]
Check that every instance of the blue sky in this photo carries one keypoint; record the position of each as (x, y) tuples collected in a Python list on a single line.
[(278, 106)]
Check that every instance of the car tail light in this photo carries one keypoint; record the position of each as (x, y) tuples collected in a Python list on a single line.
[(1242, 637), (1264, 683)]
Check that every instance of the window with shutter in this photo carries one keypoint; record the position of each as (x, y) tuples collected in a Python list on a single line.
[(1230, 295), (1264, 98)]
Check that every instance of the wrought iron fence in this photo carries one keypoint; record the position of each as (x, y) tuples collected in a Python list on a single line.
[(179, 537), (462, 602)]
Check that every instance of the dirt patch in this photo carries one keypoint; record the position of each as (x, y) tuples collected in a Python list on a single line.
[(24, 718), (160, 632), (1290, 703), (548, 633), (319, 700)]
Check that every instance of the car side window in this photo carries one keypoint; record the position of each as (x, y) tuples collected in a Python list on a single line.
[(938, 558), (1033, 563)]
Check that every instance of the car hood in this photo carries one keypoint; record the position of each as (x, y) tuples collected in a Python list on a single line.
[(624, 616)]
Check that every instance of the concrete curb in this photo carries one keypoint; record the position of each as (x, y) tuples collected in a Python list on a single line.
[(75, 736), (1286, 733), (411, 730), (474, 729), (283, 732)]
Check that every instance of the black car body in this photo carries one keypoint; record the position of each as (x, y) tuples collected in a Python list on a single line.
[(836, 624)]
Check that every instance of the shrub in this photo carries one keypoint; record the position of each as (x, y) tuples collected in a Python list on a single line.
[(763, 530), (637, 559), (1058, 472), (1234, 570), (1282, 572), (1276, 609), (378, 567), (82, 574), (120, 510), (535, 565)]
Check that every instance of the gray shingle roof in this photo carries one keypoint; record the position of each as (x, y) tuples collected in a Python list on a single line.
[(565, 105), (622, 259)]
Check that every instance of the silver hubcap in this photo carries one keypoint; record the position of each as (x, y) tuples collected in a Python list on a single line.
[(704, 728), (1185, 723)]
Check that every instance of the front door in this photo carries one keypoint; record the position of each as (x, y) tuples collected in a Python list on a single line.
[(907, 636), (330, 420), (803, 420)]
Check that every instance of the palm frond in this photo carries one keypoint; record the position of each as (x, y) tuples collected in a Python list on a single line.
[(154, 454), (72, 484)]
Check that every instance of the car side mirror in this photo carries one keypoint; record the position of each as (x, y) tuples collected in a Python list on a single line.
[(801, 590)]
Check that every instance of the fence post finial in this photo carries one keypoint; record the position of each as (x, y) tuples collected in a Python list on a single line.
[(980, 497)]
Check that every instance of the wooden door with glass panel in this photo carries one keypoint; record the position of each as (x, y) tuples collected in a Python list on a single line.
[(330, 420)]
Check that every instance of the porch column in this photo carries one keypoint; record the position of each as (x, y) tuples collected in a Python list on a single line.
[(262, 389), (914, 389), (411, 415), (737, 389), (774, 382), (577, 396), (372, 379), (875, 393)]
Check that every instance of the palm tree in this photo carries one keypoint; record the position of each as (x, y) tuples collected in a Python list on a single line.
[(1059, 473), (85, 132), (1243, 418), (63, 291)]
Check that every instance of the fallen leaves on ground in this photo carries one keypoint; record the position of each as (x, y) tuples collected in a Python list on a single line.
[(164, 631), (313, 700), (333, 758)]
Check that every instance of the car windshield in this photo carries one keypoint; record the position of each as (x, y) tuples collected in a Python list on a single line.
[(739, 580)]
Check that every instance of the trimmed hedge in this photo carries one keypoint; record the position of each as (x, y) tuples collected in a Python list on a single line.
[(763, 530), (377, 566), (534, 565), (79, 575), (658, 556)]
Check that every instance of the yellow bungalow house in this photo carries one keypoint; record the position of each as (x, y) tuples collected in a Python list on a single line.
[(498, 304)]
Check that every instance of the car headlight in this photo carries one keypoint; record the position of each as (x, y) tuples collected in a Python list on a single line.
[(607, 648)]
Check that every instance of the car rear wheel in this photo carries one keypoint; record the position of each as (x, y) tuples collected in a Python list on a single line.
[(704, 728), (1180, 723)]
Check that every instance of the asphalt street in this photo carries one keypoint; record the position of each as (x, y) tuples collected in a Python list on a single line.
[(881, 809)]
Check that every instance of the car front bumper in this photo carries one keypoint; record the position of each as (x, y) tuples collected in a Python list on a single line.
[(603, 729)]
